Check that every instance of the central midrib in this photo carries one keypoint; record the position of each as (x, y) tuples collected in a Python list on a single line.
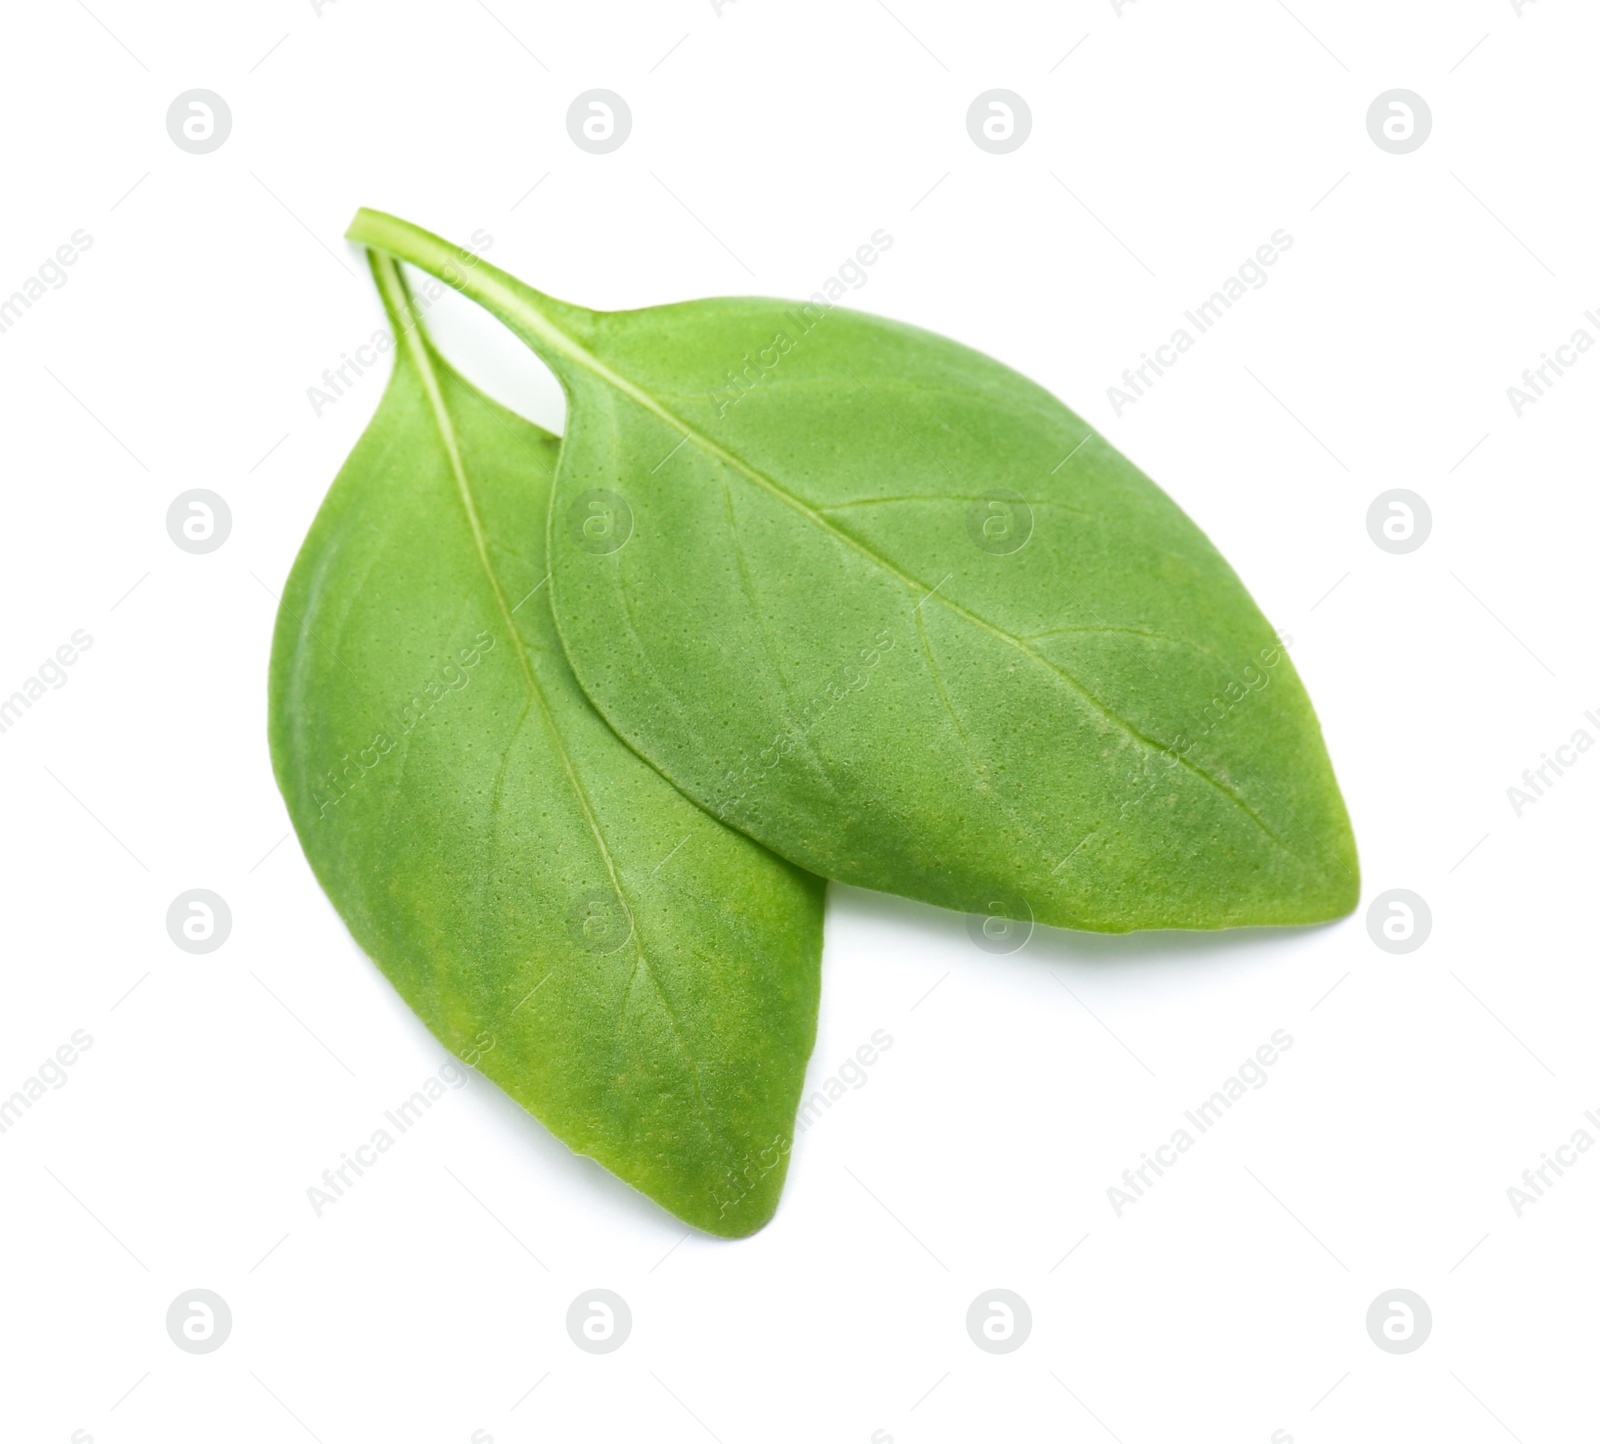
[(423, 360), (559, 339), (518, 306)]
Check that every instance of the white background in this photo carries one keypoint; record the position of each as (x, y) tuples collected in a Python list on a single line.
[(1229, 1302)]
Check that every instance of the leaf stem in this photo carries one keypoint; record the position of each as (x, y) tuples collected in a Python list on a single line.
[(551, 327), (394, 293)]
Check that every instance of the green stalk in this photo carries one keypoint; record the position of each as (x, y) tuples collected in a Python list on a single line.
[(554, 329)]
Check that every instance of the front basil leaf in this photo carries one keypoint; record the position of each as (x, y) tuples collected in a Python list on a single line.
[(896, 612), (640, 977)]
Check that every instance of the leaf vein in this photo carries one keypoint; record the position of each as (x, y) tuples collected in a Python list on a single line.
[(714, 449), (423, 359), (545, 333)]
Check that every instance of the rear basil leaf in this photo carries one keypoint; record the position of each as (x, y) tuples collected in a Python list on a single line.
[(640, 977), (894, 611)]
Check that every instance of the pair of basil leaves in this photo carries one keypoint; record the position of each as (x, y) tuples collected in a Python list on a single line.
[(572, 730)]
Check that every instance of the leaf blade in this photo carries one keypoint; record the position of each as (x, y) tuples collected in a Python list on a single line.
[(1075, 778), (648, 977)]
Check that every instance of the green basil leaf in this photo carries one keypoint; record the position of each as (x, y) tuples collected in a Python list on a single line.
[(896, 612), (635, 974)]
